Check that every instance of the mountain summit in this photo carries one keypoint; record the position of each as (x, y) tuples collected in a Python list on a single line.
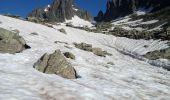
[(59, 11)]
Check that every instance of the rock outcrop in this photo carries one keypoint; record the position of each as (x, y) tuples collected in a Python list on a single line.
[(158, 54), (55, 63), (11, 42), (120, 8), (58, 11)]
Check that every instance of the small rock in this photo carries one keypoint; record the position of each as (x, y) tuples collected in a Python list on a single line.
[(84, 46), (98, 52), (34, 33), (60, 42), (69, 55), (145, 46), (56, 63), (62, 31), (110, 63)]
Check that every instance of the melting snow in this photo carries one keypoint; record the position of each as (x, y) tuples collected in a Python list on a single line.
[(128, 78)]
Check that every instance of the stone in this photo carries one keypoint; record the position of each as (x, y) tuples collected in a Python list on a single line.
[(110, 63), (56, 63), (11, 42), (62, 31), (34, 33), (84, 46), (98, 52), (69, 55)]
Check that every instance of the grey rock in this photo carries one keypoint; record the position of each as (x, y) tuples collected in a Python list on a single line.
[(84, 46), (34, 33), (56, 63), (98, 52), (11, 42), (165, 54), (110, 63), (62, 31), (69, 55)]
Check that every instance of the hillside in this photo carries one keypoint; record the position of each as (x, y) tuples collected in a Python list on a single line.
[(118, 76)]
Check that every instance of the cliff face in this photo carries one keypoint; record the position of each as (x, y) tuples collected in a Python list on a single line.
[(58, 11), (120, 8)]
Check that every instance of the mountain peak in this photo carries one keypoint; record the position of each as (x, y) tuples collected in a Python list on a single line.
[(59, 11)]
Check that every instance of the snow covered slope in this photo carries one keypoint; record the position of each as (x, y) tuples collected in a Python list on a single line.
[(78, 22), (128, 78)]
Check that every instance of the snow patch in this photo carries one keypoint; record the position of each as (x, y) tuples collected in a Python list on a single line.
[(78, 22)]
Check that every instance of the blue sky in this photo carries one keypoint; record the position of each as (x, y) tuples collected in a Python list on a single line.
[(23, 7)]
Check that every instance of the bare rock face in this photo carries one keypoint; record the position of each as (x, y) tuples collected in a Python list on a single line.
[(121, 8), (11, 42), (57, 64), (58, 11)]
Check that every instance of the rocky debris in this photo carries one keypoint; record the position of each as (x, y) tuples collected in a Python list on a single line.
[(62, 30), (69, 55), (48, 25), (11, 42), (35, 19), (96, 51), (135, 34), (121, 8), (13, 16), (164, 54), (56, 63)]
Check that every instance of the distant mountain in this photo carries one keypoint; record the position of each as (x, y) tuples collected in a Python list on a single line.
[(120, 8), (59, 11)]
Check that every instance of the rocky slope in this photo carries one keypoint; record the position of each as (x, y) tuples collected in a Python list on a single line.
[(121, 8), (58, 11)]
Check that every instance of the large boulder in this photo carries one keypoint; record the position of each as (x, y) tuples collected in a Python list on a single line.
[(55, 63), (11, 42)]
